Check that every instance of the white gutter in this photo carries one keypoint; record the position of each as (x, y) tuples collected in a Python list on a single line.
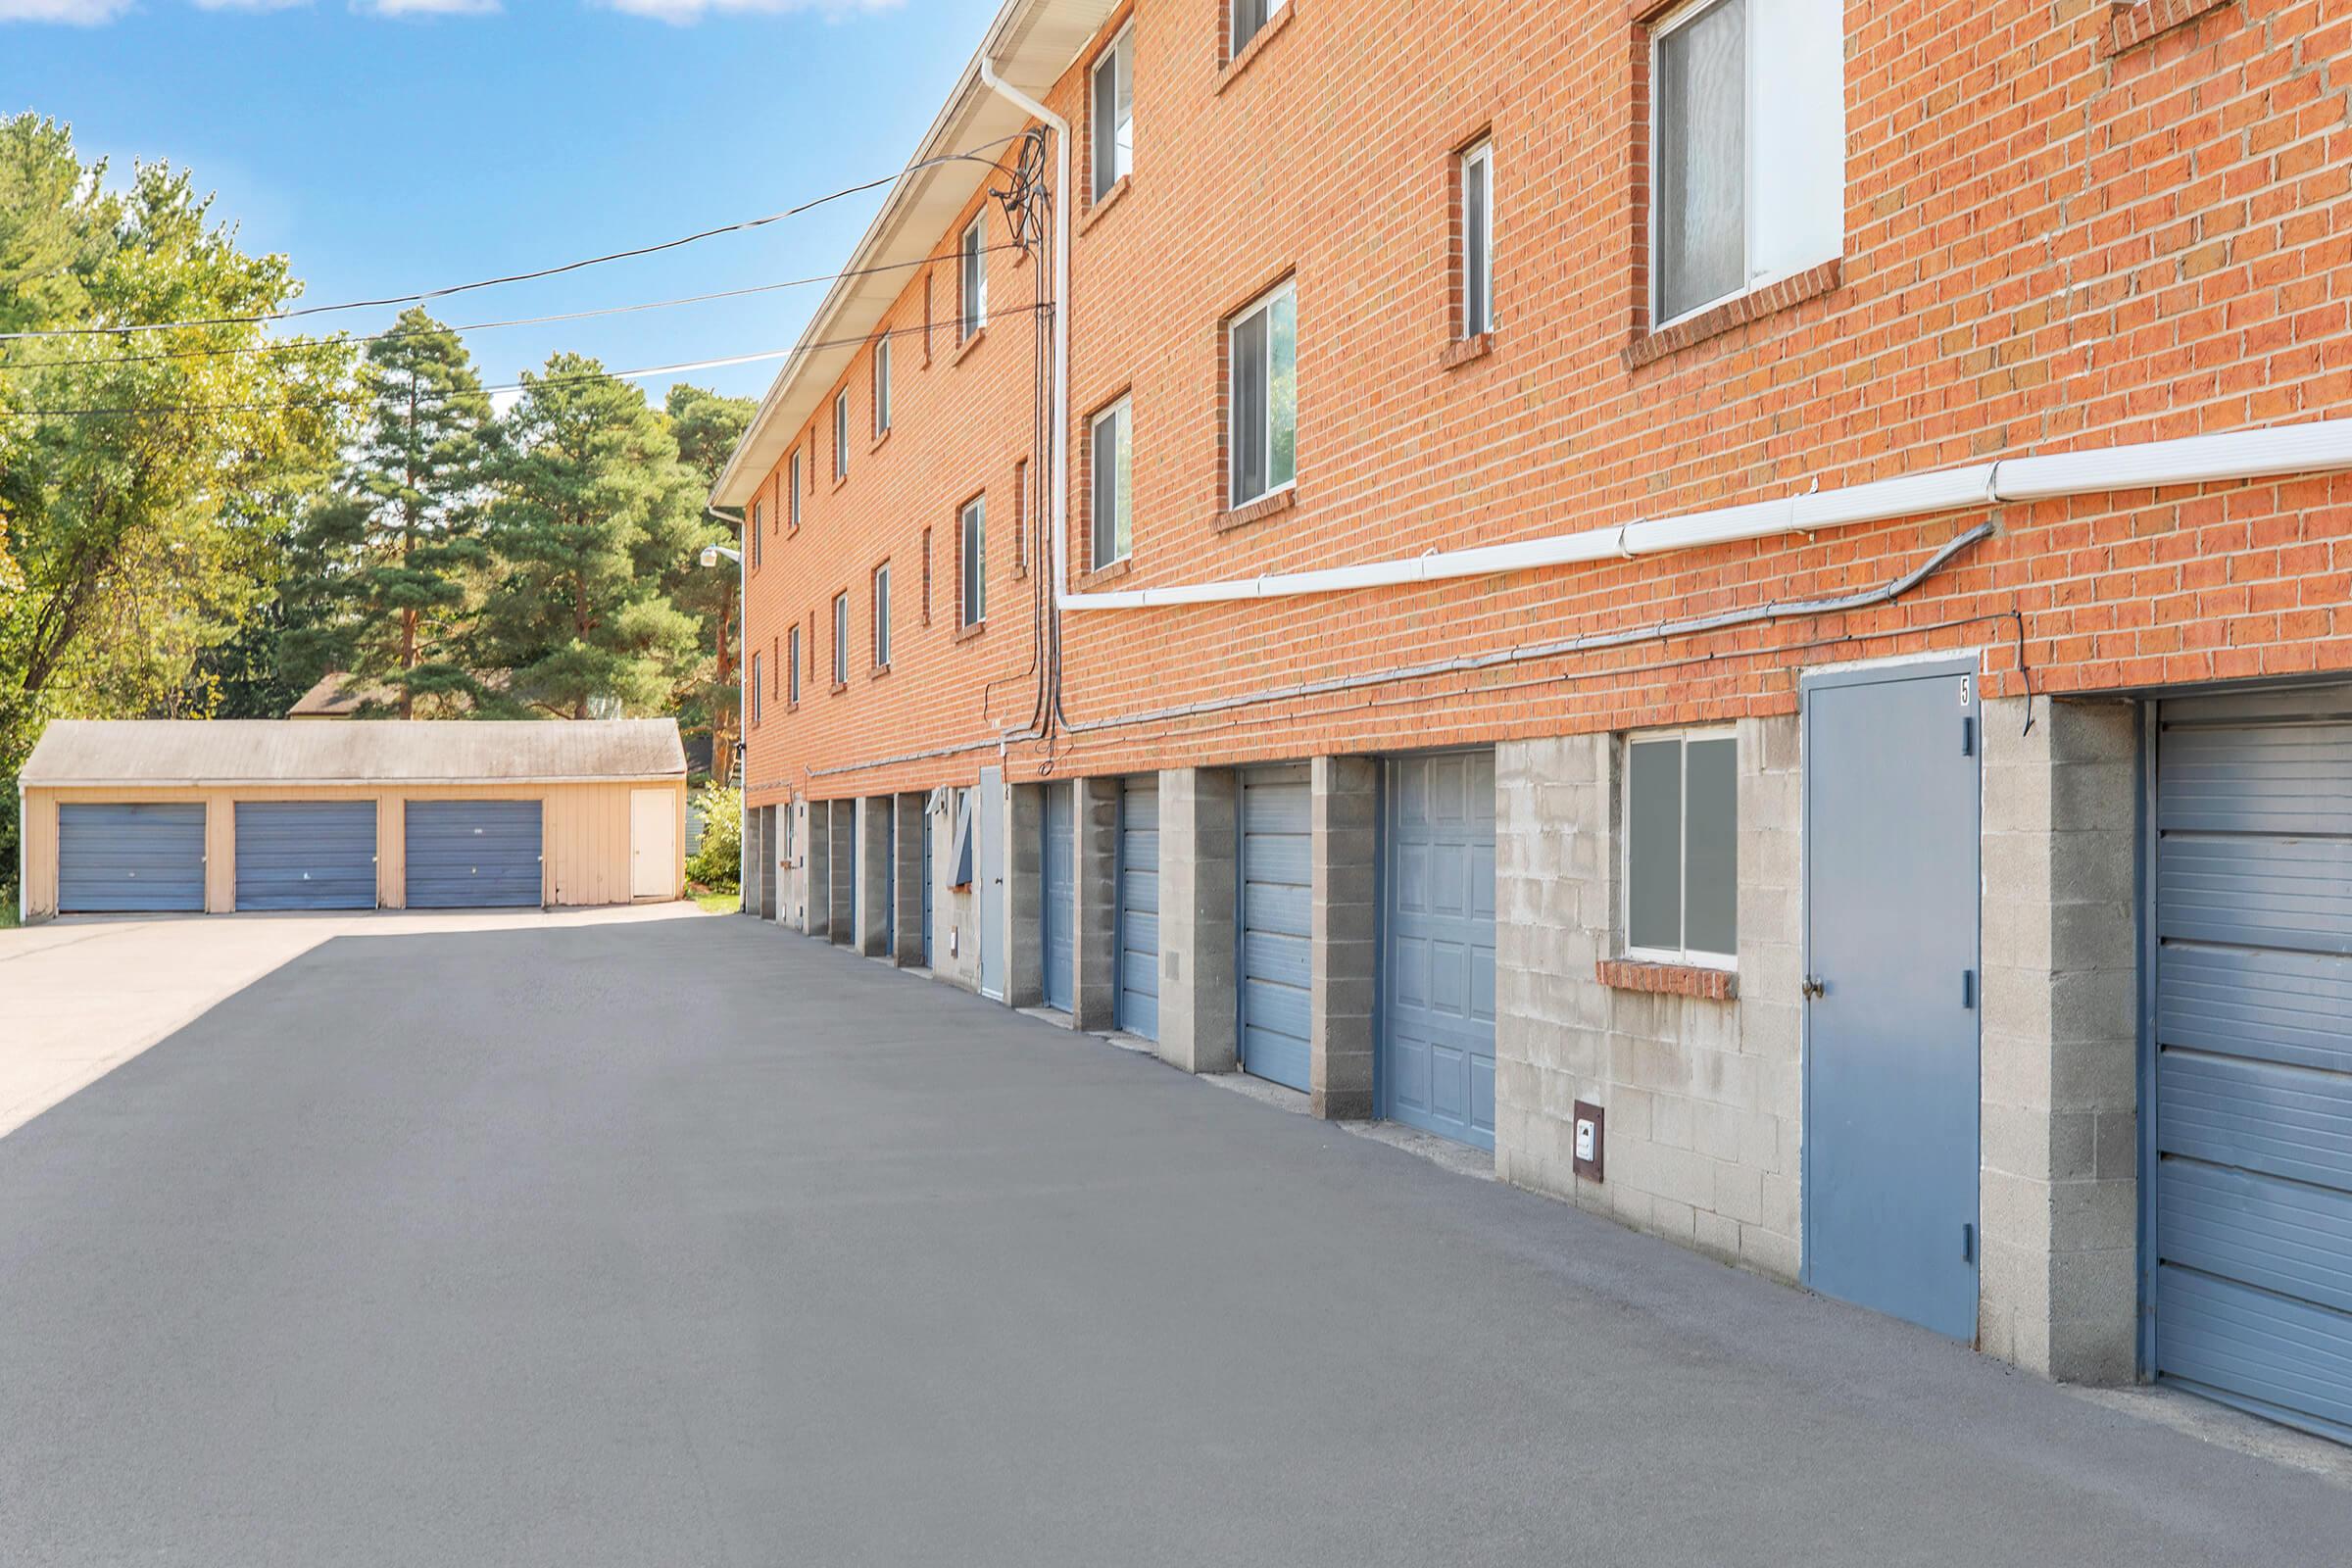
[(1062, 313), (2318, 446)]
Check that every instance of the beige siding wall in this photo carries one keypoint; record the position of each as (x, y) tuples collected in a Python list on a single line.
[(585, 827)]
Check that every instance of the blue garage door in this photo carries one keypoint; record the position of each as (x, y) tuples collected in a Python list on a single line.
[(1139, 905), (2252, 1225), (129, 858), (305, 855), (1276, 933), (1061, 854), (1438, 1020), (928, 817), (473, 855)]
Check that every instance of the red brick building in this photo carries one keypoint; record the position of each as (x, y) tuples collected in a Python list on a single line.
[(1744, 603)]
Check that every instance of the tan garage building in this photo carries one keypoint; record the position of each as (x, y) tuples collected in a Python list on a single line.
[(196, 815)]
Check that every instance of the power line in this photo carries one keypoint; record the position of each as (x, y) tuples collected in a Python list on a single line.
[(356, 395), (299, 345), (523, 277)]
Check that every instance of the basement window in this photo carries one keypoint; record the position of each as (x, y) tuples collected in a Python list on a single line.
[(1681, 830)]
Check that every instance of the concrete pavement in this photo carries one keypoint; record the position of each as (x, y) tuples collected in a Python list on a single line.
[(693, 1242)]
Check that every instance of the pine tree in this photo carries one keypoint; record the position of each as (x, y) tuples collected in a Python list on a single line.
[(591, 514)]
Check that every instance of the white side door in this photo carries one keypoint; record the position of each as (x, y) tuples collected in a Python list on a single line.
[(654, 864)]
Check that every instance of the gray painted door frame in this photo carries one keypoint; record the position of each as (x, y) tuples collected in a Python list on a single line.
[(987, 877), (1844, 1252)]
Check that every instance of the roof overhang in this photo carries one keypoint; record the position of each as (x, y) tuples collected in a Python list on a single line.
[(1031, 44)]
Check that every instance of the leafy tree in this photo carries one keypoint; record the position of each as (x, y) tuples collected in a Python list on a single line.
[(591, 516), (717, 859)]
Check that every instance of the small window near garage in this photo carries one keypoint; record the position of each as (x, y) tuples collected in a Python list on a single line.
[(841, 639), (1113, 112), (1682, 847), (1250, 18), (973, 270), (974, 561), (882, 616), (1110, 517), (1748, 148), (792, 669), (882, 386), (1262, 398), (840, 435), (1477, 262), (960, 853)]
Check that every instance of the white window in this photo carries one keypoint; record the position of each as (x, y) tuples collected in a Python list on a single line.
[(756, 688), (882, 386), (792, 485), (841, 639), (1748, 148), (1263, 401), (1682, 847), (882, 616), (974, 269), (840, 435), (792, 670), (1250, 17), (1478, 240), (1110, 516), (1113, 116), (974, 561), (759, 527)]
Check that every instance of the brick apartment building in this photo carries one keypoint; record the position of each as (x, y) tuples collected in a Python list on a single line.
[(1736, 601)]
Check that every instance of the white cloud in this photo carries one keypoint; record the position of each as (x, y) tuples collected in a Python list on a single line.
[(423, 8), (682, 13), (71, 13)]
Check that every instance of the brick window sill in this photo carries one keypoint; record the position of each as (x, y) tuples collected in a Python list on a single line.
[(880, 442), (1100, 576), (1466, 350), (839, 687), (964, 634), (1668, 979), (2132, 22), (1733, 313), (876, 671), (1275, 24), (1258, 511), (1104, 202), (839, 480), (967, 345)]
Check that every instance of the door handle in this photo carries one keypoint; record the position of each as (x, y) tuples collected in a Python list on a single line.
[(1815, 985)]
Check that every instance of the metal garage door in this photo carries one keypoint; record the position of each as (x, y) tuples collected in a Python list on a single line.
[(1060, 856), (928, 834), (766, 882), (1437, 989), (888, 806), (2251, 1234), (113, 859), (473, 855), (1139, 906), (305, 855), (1276, 907)]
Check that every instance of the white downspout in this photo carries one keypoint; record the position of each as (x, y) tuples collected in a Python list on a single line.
[(1061, 314)]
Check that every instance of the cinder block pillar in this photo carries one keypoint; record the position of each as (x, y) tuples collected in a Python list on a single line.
[(2058, 1290), (909, 935), (841, 831), (876, 863), (1199, 845), (1025, 895), (1097, 989), (1343, 851), (816, 870)]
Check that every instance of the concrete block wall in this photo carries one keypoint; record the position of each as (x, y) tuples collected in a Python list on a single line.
[(1344, 858), (816, 868), (908, 871), (841, 864), (1199, 845), (2059, 1283), (1024, 895), (875, 866), (1095, 992), (1702, 1096)]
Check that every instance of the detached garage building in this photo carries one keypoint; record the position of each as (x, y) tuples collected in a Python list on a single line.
[(220, 815)]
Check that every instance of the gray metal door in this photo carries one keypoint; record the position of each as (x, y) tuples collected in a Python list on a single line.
[(1275, 931), (1437, 980), (1139, 905), (305, 855), (928, 835), (1891, 1085), (2250, 1241), (473, 855), (765, 851), (890, 877), (988, 880), (115, 858), (1061, 861)]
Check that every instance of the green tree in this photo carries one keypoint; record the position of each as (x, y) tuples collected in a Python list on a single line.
[(590, 518), (706, 427)]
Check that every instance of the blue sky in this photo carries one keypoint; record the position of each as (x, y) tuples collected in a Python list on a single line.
[(394, 145)]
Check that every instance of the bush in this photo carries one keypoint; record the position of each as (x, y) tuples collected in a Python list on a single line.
[(717, 860)]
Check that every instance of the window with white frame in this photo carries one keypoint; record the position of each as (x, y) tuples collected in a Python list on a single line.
[(1747, 147), (840, 435), (882, 616), (1250, 18), (841, 639), (972, 266), (757, 690), (882, 386), (973, 559), (1681, 847), (759, 513), (792, 486), (792, 668), (1477, 178), (1110, 514), (1114, 115), (1262, 346)]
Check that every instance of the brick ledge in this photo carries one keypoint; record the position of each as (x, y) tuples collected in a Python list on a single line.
[(1737, 311), (1668, 979), (1466, 350), (1264, 507), (2136, 22)]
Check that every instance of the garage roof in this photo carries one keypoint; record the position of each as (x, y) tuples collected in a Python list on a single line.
[(275, 750)]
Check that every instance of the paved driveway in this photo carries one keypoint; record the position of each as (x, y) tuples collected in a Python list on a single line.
[(690, 1241)]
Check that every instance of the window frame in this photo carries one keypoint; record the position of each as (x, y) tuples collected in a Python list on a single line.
[(1120, 51), (1263, 305), (1121, 409), (792, 486), (1688, 957), (1236, 40), (1479, 155), (881, 615), (792, 676), (971, 279), (758, 691), (971, 563), (841, 639), (759, 527), (882, 386), (840, 435)]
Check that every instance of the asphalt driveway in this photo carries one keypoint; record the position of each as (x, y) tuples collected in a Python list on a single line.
[(690, 1241)]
